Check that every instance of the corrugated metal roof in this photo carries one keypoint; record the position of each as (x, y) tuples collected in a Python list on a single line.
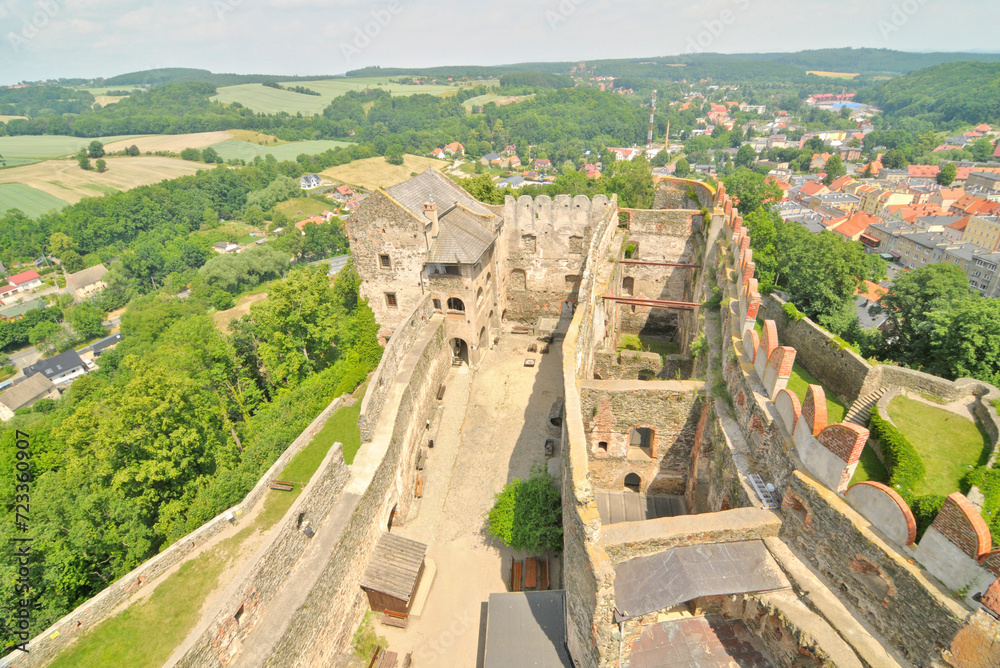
[(461, 238), (615, 507), (527, 629), (395, 566), (681, 574)]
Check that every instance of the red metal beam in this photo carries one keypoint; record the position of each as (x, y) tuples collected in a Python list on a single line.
[(654, 303), (662, 264)]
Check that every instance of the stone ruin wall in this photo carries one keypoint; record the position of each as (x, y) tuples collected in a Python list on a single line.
[(545, 241), (880, 580)]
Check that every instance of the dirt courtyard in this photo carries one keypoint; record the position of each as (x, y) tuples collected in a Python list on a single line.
[(491, 429)]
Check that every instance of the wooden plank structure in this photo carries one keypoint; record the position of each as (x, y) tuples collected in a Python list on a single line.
[(282, 485), (393, 574), (531, 573), (543, 573), (515, 575)]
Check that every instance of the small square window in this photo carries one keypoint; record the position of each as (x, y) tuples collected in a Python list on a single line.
[(385, 262), (603, 446), (390, 300), (437, 304)]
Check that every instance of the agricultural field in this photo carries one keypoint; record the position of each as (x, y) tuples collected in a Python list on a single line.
[(105, 100), (255, 137), (49, 146), (5, 119), (271, 100), (29, 200), (836, 75), (63, 179), (500, 100), (245, 150), (374, 173), (174, 143)]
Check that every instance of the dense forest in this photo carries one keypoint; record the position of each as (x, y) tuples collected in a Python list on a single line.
[(945, 94)]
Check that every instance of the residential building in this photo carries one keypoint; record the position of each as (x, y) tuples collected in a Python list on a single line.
[(439, 154), (343, 192), (986, 181), (972, 205), (866, 299), (454, 148), (918, 249), (224, 247), (979, 267), (853, 227), (107, 343), (26, 280), (17, 311), (489, 158), (887, 234), (88, 282), (841, 201), (983, 232), (946, 197), (8, 294), (543, 163), (849, 153), (62, 368), (923, 171), (26, 394), (515, 181), (874, 200), (309, 181), (956, 230)]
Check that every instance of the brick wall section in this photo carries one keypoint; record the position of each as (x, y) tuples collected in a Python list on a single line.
[(768, 338), (977, 645), (782, 360), (845, 440), (918, 620), (814, 409), (961, 523), (911, 523), (991, 562)]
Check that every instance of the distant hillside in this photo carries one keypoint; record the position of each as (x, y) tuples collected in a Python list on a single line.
[(953, 92), (187, 75)]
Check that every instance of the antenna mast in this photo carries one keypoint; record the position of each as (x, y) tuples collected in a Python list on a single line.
[(652, 113)]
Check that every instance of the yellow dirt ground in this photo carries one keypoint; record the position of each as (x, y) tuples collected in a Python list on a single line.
[(105, 100), (373, 173), (223, 318), (4, 119), (64, 178), (841, 75), (175, 143), (255, 137)]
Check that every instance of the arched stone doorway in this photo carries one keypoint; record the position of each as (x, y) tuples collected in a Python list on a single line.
[(459, 352), (484, 341), (633, 482)]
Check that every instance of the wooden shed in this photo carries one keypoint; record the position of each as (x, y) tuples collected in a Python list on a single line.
[(394, 573)]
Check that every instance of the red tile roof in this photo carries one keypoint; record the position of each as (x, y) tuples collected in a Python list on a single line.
[(924, 171), (871, 291), (23, 277), (855, 225)]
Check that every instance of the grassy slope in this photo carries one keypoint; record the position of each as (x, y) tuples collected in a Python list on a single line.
[(31, 201), (948, 443), (799, 384), (261, 98), (146, 633), (373, 173), (48, 146), (307, 206)]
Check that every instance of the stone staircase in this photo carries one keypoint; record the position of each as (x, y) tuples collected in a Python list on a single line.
[(860, 411)]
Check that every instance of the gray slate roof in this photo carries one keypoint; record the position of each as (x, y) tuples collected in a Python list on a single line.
[(395, 566), (87, 276), (55, 365), (680, 574), (527, 629), (431, 184), (461, 238), (26, 392)]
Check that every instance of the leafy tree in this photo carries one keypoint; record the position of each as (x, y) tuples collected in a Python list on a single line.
[(71, 261), (210, 155), (964, 341), (947, 175), (101, 165), (913, 296), (982, 149), (661, 159), (394, 158), (132, 150), (894, 159), (814, 145), (83, 160), (631, 180), (751, 190), (47, 336), (834, 169), (192, 154), (527, 515), (86, 320), (683, 168), (746, 156), (95, 149)]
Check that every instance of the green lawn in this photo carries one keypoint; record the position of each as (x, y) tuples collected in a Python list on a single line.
[(244, 150), (31, 201), (306, 205), (145, 634), (798, 384), (48, 146), (948, 443), (647, 344), (870, 468)]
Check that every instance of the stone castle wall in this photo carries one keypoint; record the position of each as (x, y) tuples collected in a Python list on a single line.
[(125, 591)]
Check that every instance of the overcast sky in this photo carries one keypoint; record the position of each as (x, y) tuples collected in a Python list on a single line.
[(89, 38)]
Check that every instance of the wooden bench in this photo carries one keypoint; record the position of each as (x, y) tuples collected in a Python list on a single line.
[(383, 658), (543, 574), (282, 485), (531, 573), (441, 392), (419, 488), (396, 619), (515, 575)]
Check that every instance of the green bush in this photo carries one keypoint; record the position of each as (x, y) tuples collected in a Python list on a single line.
[(699, 346), (715, 301), (906, 468), (792, 313), (988, 482), (630, 342), (527, 515)]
